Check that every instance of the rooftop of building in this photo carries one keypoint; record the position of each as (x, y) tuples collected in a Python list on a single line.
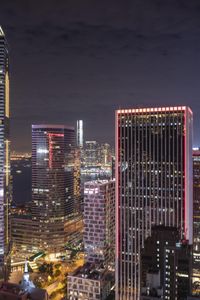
[(154, 109), (164, 228), (196, 151), (91, 142), (38, 294), (91, 271), (52, 126), (11, 288), (98, 182), (8, 288)]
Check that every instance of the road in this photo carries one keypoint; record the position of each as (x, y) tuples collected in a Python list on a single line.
[(52, 287)]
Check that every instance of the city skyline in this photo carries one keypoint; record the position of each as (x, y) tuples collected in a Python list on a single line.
[(90, 58)]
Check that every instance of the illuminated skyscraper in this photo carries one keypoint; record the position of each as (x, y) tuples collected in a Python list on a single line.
[(153, 184), (4, 150), (79, 133), (99, 221), (54, 195)]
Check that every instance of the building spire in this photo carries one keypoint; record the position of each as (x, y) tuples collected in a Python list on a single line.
[(1, 31), (26, 283), (26, 267)]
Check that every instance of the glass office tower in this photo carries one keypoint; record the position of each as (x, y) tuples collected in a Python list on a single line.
[(153, 184), (55, 197), (4, 151)]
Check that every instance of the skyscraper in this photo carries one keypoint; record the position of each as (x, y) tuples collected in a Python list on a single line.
[(196, 219), (54, 197), (196, 202), (4, 150), (95, 278), (169, 260), (99, 221), (154, 184)]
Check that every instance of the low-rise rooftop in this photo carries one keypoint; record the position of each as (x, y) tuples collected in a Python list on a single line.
[(90, 271)]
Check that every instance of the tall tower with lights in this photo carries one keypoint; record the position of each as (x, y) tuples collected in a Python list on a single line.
[(153, 184), (79, 133), (54, 190), (4, 151)]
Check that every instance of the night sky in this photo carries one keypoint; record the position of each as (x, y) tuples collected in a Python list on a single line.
[(82, 59)]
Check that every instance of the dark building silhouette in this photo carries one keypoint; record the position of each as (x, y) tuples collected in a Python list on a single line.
[(166, 265), (196, 220)]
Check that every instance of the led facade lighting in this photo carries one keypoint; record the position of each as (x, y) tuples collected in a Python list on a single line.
[(153, 184), (5, 195)]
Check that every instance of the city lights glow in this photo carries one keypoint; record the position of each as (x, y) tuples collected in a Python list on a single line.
[(42, 151)]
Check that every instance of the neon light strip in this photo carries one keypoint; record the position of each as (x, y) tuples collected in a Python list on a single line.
[(116, 201), (155, 109), (187, 192), (50, 135), (185, 176), (56, 134)]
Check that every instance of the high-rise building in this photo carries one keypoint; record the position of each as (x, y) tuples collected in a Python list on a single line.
[(79, 133), (105, 155), (96, 277), (5, 194), (91, 153), (54, 196), (99, 221), (196, 201), (154, 184), (55, 219), (169, 261), (196, 220)]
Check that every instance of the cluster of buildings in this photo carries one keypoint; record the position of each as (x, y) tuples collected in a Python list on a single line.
[(95, 279), (140, 231), (94, 155), (97, 155), (55, 205)]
